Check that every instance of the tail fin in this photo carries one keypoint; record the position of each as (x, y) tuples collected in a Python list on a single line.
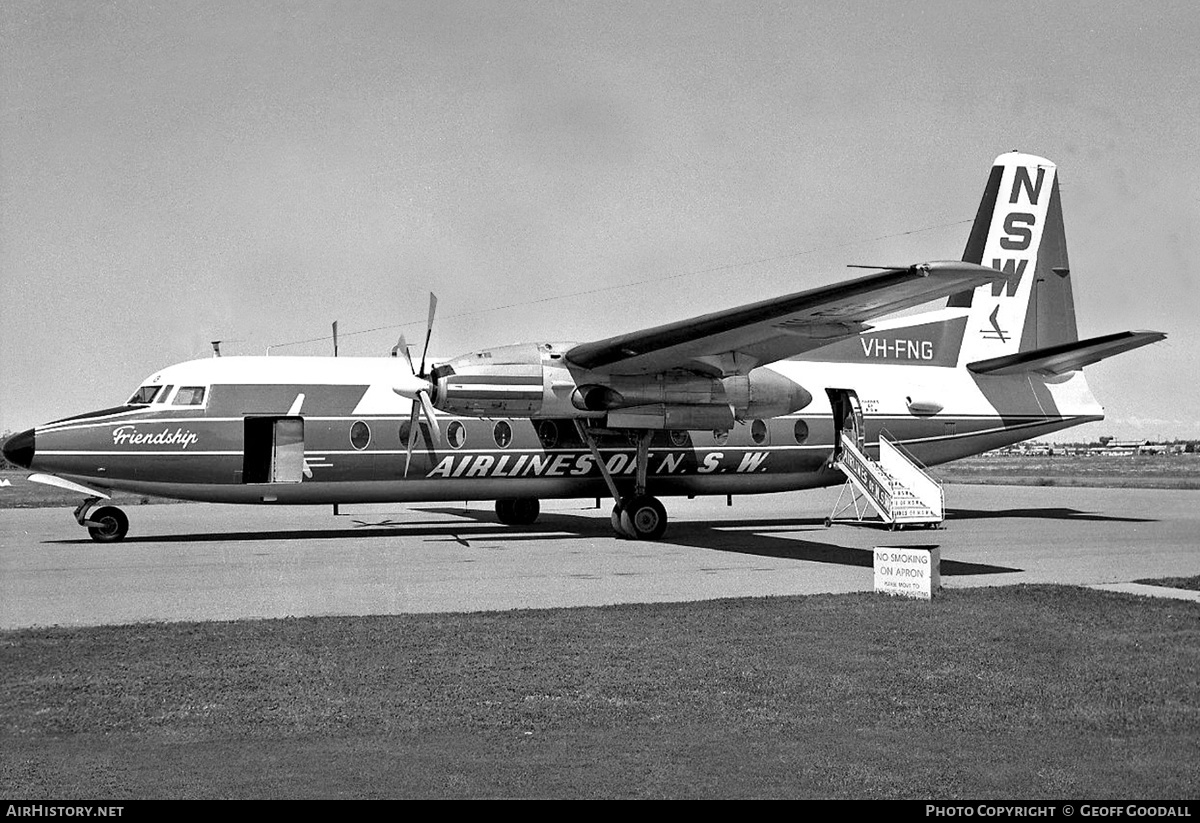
[(1019, 230)]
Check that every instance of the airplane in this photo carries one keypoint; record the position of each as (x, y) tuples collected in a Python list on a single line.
[(766, 397)]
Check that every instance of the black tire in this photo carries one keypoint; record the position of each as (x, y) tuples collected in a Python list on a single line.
[(112, 526), (518, 511), (504, 511), (616, 523), (645, 517)]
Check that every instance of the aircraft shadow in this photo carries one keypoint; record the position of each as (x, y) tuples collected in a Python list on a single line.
[(737, 536), (742, 536), (1049, 513)]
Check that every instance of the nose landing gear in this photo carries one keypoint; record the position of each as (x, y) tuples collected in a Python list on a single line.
[(107, 524)]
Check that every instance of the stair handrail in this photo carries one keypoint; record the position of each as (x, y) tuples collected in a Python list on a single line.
[(917, 465), (912, 458), (877, 475)]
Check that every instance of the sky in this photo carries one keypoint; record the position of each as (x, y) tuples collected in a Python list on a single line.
[(177, 172)]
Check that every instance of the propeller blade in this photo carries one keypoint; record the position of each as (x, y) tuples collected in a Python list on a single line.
[(427, 405), (402, 345), (412, 436), (428, 330)]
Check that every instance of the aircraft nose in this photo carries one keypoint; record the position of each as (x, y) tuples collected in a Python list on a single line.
[(18, 449)]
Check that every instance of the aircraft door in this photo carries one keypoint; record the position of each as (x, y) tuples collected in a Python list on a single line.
[(274, 450), (847, 418), (288, 463)]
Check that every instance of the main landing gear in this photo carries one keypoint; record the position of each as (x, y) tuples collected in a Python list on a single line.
[(638, 516), (107, 524)]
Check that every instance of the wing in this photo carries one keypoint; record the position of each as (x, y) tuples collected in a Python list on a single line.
[(736, 340)]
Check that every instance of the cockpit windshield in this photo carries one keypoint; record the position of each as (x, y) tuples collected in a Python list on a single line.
[(144, 395)]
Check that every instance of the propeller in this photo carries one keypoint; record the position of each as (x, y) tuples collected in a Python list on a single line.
[(418, 389)]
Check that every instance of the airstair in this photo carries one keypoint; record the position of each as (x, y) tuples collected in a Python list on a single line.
[(896, 488)]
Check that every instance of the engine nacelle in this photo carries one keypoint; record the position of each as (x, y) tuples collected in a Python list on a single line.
[(505, 382), (523, 380), (764, 393), (668, 389), (534, 380)]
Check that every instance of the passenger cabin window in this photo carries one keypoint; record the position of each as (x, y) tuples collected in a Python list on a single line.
[(143, 395), (800, 432), (502, 433), (758, 432), (548, 434), (189, 396)]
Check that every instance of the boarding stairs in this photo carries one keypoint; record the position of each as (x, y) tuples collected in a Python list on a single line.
[(895, 488)]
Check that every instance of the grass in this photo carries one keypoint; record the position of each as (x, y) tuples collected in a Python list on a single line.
[(1142, 472), (1019, 692)]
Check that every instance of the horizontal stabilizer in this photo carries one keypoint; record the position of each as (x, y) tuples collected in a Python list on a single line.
[(1066, 357)]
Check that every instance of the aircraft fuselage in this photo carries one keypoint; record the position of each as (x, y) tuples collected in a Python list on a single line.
[(265, 434)]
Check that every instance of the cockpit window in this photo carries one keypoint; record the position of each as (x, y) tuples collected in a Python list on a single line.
[(143, 395), (189, 396), (166, 392)]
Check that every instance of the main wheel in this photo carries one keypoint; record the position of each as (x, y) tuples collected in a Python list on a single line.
[(112, 525), (644, 517), (518, 511), (618, 525), (504, 511)]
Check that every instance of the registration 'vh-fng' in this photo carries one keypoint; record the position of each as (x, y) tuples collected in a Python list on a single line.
[(821, 387)]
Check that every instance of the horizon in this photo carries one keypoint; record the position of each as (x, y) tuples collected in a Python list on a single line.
[(181, 173)]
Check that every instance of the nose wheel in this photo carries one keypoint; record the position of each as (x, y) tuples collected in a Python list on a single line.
[(107, 524), (110, 525)]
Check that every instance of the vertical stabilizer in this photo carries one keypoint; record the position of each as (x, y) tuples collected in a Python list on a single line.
[(1019, 231)]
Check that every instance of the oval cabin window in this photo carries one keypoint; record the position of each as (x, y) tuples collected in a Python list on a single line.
[(548, 434), (758, 432), (456, 435), (801, 431), (360, 435), (502, 434)]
